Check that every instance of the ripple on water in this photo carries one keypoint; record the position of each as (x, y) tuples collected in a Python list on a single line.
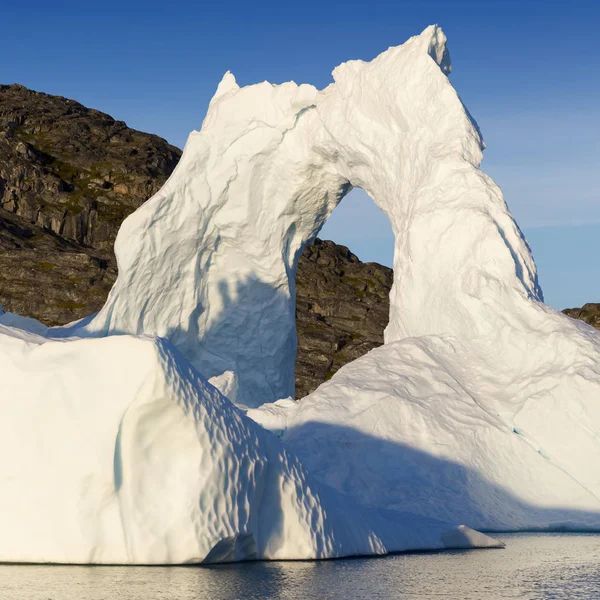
[(533, 566)]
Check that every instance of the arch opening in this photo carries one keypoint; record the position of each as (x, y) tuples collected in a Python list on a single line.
[(342, 288), (359, 224)]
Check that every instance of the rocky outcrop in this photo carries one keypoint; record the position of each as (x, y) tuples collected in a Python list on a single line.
[(75, 171), (48, 277), (342, 308), (69, 175), (589, 313)]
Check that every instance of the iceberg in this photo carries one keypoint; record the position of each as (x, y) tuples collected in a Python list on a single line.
[(115, 451), (422, 425), (476, 372), (120, 439), (209, 262)]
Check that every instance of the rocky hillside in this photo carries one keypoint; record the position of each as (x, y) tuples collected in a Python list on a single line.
[(69, 175), (48, 277), (74, 171), (342, 308), (590, 313)]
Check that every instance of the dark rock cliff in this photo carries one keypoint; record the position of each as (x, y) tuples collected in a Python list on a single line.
[(74, 171), (69, 175), (342, 308), (589, 313)]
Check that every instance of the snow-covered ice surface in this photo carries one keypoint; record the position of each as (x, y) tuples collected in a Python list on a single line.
[(421, 425), (481, 408), (115, 451), (23, 323)]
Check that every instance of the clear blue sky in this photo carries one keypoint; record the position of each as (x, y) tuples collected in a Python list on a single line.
[(528, 71)]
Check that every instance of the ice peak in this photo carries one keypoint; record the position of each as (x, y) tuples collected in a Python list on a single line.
[(226, 85), (436, 40)]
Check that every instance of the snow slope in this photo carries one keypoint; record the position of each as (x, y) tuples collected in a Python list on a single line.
[(424, 425), (115, 451)]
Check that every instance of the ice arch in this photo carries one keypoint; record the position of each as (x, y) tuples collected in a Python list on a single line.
[(209, 262)]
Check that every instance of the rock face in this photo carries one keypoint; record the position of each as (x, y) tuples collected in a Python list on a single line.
[(589, 313), (50, 278), (342, 308), (69, 175), (72, 170)]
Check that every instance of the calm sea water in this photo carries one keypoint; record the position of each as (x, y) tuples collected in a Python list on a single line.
[(533, 566)]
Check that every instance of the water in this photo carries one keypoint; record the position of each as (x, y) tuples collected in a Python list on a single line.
[(533, 566)]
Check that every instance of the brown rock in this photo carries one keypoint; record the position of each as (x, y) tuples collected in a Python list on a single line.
[(342, 308), (73, 170), (589, 313)]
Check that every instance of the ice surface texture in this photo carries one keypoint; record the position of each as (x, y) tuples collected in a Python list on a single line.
[(476, 374), (115, 450)]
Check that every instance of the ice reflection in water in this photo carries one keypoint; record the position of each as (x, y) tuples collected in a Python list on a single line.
[(537, 566)]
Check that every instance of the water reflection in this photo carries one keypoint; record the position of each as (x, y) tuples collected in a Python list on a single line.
[(558, 566)]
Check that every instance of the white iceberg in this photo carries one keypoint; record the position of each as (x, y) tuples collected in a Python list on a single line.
[(209, 262), (482, 407), (115, 451)]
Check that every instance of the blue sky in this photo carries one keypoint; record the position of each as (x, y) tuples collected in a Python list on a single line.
[(527, 70)]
